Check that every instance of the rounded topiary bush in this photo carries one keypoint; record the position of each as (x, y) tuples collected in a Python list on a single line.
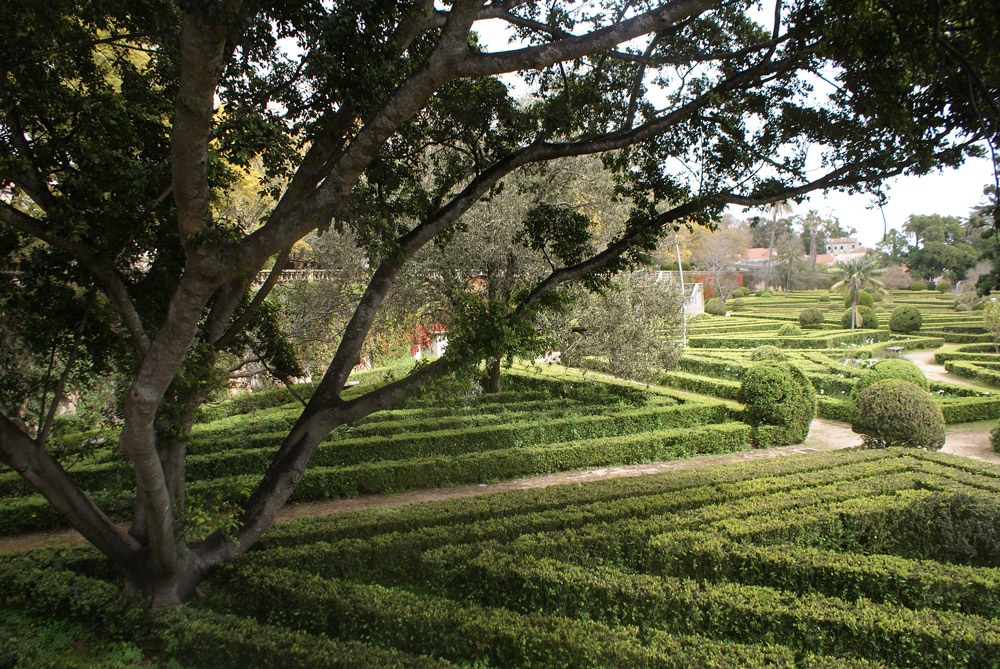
[(779, 402), (716, 307), (789, 330), (918, 285), (737, 304), (892, 368), (764, 293), (824, 298), (742, 291), (869, 320), (893, 412), (767, 352), (943, 286), (811, 317), (995, 438), (905, 318), (865, 299)]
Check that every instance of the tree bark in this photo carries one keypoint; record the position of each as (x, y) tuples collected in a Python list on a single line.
[(493, 384)]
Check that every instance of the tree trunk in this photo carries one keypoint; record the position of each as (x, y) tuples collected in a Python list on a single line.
[(770, 253), (493, 376)]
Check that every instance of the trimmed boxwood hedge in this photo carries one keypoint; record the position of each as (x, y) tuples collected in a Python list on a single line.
[(892, 412), (780, 403)]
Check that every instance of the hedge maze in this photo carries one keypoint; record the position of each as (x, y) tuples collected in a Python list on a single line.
[(721, 348), (859, 559), (853, 559), (546, 421)]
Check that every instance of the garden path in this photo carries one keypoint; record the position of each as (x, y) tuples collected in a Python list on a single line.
[(971, 440)]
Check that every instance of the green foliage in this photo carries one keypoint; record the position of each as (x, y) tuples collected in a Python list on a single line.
[(893, 412), (905, 319), (715, 306), (942, 247), (789, 330), (891, 368), (777, 395), (742, 291), (918, 286), (943, 287), (764, 292), (845, 560), (995, 438), (866, 315), (865, 299), (991, 319), (628, 329), (737, 304), (824, 298), (768, 352), (811, 317), (124, 138), (559, 231)]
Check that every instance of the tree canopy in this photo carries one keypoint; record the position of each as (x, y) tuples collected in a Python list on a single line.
[(126, 126)]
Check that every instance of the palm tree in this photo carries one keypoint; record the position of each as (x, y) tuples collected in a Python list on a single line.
[(857, 274), (781, 208)]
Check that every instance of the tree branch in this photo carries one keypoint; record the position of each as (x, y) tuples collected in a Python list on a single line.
[(104, 273), (478, 65), (47, 476)]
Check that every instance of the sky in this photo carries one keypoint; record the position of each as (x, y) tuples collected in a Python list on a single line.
[(951, 192)]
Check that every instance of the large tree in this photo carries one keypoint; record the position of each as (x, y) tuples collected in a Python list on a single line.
[(123, 125), (940, 247)]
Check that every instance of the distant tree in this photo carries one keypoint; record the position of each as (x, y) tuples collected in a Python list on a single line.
[(817, 231), (629, 329), (894, 248), (940, 247), (895, 277), (969, 299), (777, 209), (991, 319), (717, 251), (790, 264)]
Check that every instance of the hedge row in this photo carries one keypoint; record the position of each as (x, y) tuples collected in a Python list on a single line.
[(396, 476), (251, 454), (610, 500), (967, 353), (610, 528), (38, 584), (695, 383), (478, 635), (817, 340), (32, 512), (879, 578), (734, 612), (976, 372), (217, 640), (706, 555)]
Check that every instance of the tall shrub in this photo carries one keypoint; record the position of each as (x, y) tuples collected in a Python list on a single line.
[(893, 412), (893, 368), (779, 402), (716, 307), (811, 317), (905, 318)]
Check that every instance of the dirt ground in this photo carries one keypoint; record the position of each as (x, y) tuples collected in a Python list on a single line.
[(969, 440)]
